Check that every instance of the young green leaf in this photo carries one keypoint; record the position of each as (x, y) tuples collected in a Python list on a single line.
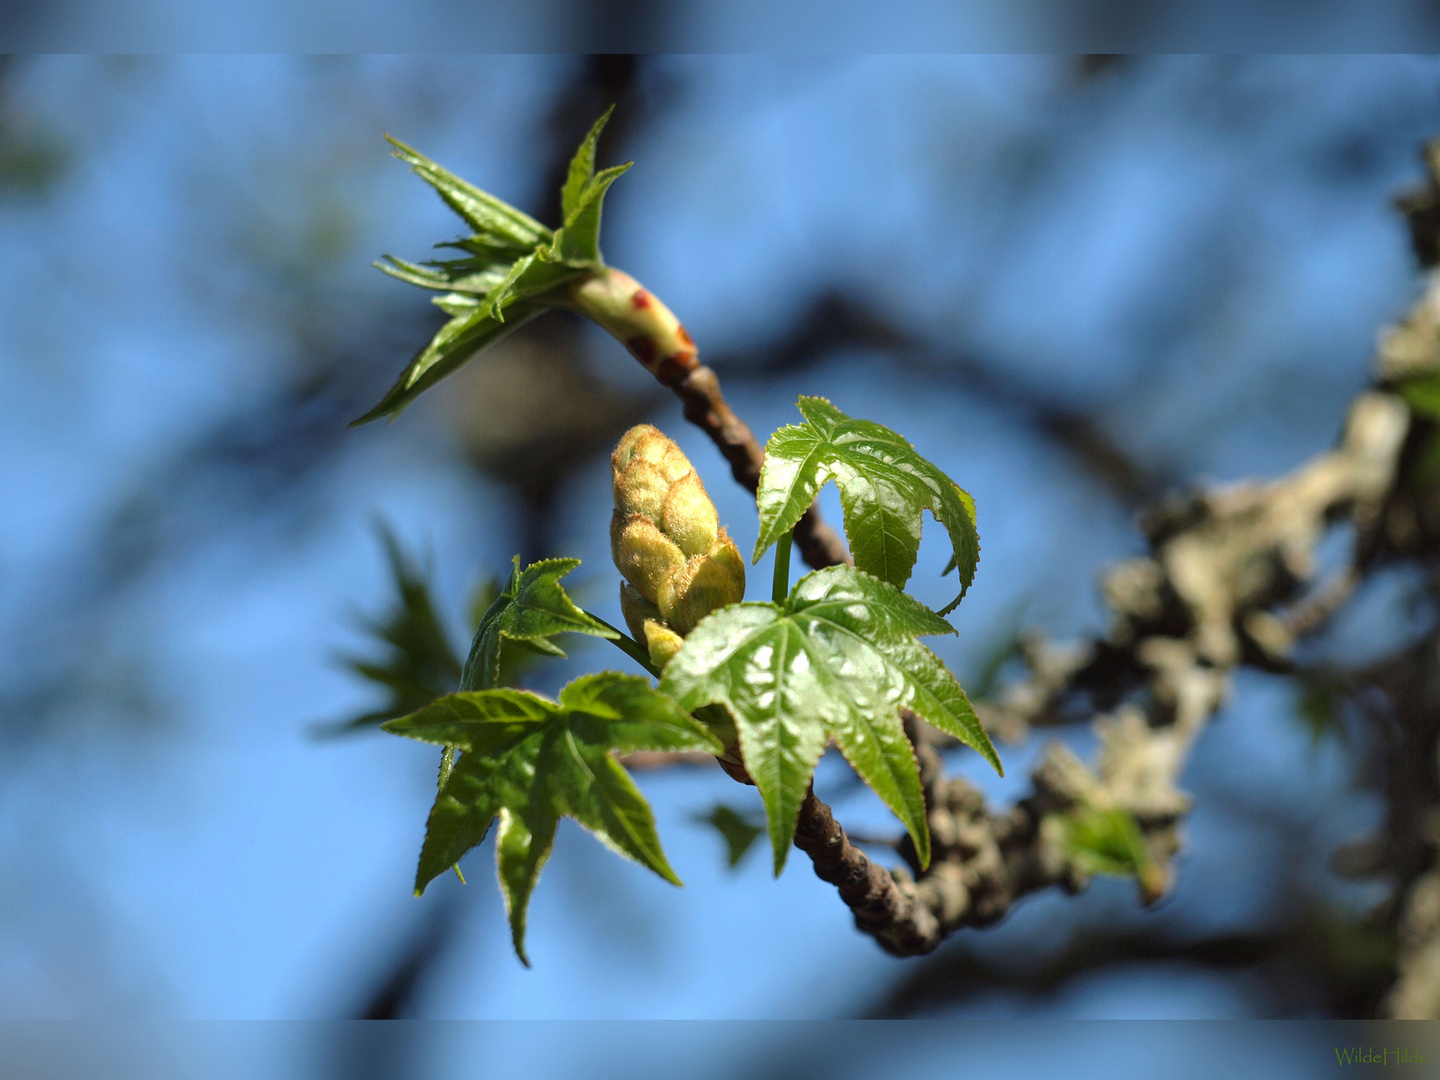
[(839, 659), (497, 223), (531, 761), (456, 343), (884, 485), (582, 167), (531, 610), (516, 269), (578, 241)]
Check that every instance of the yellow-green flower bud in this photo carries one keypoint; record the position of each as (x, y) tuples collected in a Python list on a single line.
[(648, 444), (666, 538), (642, 553), (689, 516), (641, 489), (703, 584)]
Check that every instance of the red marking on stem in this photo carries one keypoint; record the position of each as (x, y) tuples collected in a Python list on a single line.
[(684, 335), (643, 346), (675, 367), (641, 300)]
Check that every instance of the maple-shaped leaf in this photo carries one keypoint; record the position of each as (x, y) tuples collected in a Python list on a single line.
[(884, 485), (530, 761), (735, 827), (838, 659), (513, 267), (419, 662), (531, 609)]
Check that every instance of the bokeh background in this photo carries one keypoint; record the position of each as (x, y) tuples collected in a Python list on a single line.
[(1074, 283)]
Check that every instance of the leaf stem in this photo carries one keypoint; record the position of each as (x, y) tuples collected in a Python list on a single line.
[(628, 645), (781, 588)]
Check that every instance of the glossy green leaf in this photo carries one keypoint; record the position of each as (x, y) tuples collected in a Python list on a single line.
[(577, 243), (515, 267), (579, 240), (468, 276), (737, 830), (582, 167), (884, 485), (498, 223), (530, 761), (839, 659), (532, 609), (456, 342)]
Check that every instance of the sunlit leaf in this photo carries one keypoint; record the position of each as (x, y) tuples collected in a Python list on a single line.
[(455, 344), (532, 609), (884, 485), (839, 659), (530, 761), (497, 222), (516, 269)]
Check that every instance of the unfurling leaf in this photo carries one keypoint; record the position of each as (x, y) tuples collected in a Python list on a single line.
[(457, 342), (531, 610), (531, 761), (839, 659), (581, 200), (884, 485), (514, 267)]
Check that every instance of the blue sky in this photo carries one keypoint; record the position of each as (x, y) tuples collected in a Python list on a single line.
[(1196, 252)]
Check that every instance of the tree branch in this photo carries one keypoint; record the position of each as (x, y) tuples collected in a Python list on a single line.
[(1223, 584)]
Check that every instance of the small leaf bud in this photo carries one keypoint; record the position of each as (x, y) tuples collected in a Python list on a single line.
[(662, 642)]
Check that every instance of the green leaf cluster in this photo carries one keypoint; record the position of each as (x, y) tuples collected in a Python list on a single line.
[(530, 761), (509, 270), (884, 485), (838, 659), (532, 609)]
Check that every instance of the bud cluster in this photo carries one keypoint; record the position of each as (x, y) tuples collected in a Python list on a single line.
[(666, 539)]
